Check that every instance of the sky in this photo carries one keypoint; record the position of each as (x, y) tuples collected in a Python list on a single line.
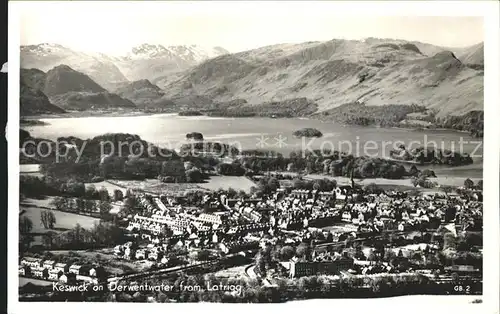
[(115, 29)]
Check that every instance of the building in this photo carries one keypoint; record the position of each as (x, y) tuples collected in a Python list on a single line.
[(23, 270), (31, 262), (86, 279), (49, 264), (208, 218), (462, 270), (93, 272), (300, 269), (326, 196), (68, 278), (54, 274), (238, 246), (300, 194), (140, 254), (75, 269), (63, 267), (342, 191), (38, 272)]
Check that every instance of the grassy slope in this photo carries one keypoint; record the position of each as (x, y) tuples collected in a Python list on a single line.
[(336, 72)]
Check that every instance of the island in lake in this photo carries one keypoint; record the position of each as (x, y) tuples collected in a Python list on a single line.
[(190, 113), (308, 132)]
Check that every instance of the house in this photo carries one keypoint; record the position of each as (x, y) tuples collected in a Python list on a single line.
[(128, 253), (326, 196), (31, 262), (23, 270), (118, 250), (68, 278), (75, 269), (55, 274), (300, 194), (63, 267), (94, 271), (49, 264), (87, 279), (140, 254), (37, 272), (342, 191)]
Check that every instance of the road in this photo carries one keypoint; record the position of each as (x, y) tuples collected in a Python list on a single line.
[(168, 270), (250, 271), (161, 271)]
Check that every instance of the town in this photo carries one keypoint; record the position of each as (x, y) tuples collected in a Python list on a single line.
[(350, 232)]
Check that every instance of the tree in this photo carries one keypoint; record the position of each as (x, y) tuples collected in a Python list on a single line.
[(91, 192), (468, 183), (286, 253), (117, 195), (58, 203), (104, 208), (25, 225), (166, 231), (446, 189), (303, 250), (74, 188), (449, 241), (194, 175), (480, 185), (90, 206), (80, 205), (47, 219), (48, 239), (103, 194)]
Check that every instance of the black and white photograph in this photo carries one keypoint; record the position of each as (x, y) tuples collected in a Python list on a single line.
[(267, 152)]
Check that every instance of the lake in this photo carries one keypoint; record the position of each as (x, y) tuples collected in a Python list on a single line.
[(169, 130)]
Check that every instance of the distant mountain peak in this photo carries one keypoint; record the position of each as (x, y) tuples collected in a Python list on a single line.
[(189, 53)]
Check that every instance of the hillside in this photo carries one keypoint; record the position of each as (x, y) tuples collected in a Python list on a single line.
[(473, 56), (33, 78), (33, 102), (92, 101), (63, 79), (374, 72), (68, 89), (142, 92), (47, 56)]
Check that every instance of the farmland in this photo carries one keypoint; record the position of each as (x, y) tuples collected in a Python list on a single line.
[(226, 182), (64, 221), (154, 186), (107, 185)]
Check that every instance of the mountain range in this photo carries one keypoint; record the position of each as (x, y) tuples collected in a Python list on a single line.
[(372, 72), (325, 74), (64, 88), (145, 61)]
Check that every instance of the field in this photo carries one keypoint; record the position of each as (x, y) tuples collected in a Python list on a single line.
[(64, 221), (108, 186), (226, 182), (29, 168), (440, 180), (154, 186), (23, 281)]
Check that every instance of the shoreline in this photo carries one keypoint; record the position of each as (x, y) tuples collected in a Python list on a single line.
[(124, 114)]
